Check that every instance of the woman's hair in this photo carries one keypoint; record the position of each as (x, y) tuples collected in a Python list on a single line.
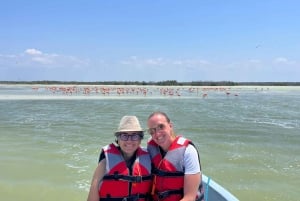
[(161, 113)]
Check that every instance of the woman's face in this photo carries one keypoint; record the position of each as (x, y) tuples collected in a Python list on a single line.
[(129, 142), (161, 131)]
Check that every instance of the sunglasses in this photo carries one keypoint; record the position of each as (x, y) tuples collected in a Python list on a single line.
[(131, 136), (159, 127)]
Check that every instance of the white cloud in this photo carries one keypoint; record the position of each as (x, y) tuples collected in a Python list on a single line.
[(255, 61), (151, 68), (33, 52), (42, 60), (148, 62), (35, 58), (283, 60), (155, 62), (8, 56)]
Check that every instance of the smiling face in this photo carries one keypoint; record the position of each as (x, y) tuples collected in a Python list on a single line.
[(161, 131)]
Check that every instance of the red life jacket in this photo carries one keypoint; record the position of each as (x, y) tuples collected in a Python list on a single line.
[(169, 170), (118, 184)]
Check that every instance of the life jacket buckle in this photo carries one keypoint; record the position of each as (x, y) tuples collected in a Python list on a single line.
[(138, 179), (162, 195), (117, 176)]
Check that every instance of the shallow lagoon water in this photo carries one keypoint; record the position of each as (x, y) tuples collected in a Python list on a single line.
[(248, 137)]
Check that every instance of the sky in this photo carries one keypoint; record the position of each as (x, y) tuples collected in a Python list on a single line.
[(157, 40)]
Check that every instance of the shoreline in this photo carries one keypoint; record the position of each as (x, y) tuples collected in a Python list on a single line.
[(98, 92)]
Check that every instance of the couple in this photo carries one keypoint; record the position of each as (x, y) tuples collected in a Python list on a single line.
[(169, 170)]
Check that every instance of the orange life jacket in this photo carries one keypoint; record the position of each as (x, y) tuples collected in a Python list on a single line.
[(118, 184)]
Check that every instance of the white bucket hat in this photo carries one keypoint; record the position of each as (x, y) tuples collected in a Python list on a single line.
[(129, 123)]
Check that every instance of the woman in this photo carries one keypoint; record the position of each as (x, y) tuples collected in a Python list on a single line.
[(177, 169), (124, 170)]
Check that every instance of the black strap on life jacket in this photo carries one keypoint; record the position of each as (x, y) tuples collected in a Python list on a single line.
[(163, 194), (128, 198), (163, 173), (130, 178)]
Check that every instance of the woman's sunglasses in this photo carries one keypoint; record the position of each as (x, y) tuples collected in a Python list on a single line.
[(132, 136), (159, 127)]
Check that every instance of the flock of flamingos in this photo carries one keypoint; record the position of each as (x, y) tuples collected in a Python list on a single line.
[(135, 90)]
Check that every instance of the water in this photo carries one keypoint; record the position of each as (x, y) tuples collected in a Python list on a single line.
[(248, 139)]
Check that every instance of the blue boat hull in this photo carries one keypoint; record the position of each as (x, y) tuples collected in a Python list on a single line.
[(215, 192)]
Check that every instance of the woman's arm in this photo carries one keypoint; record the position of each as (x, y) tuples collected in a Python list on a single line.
[(192, 176), (191, 186), (97, 177)]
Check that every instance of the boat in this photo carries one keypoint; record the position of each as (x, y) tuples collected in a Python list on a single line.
[(215, 192)]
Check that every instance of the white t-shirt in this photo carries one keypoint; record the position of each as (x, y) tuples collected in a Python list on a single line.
[(191, 160)]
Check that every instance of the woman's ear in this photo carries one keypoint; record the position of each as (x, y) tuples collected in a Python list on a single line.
[(171, 125)]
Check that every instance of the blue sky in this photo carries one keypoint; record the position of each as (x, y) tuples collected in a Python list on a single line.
[(140, 40)]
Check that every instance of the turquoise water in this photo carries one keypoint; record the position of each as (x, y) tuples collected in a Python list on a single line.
[(248, 139)]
